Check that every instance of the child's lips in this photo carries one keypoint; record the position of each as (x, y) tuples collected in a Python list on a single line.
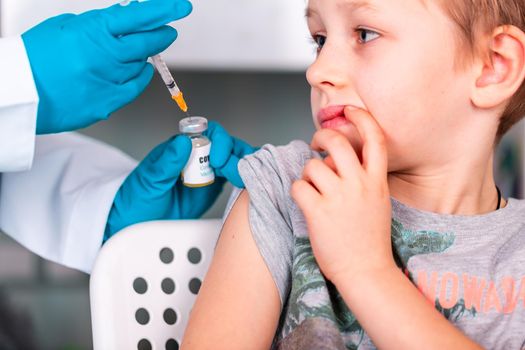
[(332, 117), (334, 123)]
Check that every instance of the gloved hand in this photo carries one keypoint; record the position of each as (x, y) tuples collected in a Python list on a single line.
[(154, 191), (87, 66)]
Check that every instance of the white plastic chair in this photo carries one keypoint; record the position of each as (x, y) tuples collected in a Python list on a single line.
[(145, 281)]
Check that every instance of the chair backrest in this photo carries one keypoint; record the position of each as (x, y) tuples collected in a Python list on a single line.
[(145, 282)]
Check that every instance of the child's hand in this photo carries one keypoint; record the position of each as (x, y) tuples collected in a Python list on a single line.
[(347, 204)]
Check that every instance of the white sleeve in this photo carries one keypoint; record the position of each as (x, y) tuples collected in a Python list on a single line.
[(18, 107), (59, 208)]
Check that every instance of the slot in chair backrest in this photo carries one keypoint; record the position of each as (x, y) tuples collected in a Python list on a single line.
[(145, 282)]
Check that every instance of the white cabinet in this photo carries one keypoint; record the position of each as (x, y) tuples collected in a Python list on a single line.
[(219, 34)]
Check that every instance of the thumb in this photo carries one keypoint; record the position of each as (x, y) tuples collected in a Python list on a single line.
[(176, 154), (143, 16), (159, 171)]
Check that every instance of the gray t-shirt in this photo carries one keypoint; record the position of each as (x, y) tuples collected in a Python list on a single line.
[(471, 268)]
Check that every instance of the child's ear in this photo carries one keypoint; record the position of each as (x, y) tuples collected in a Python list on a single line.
[(503, 73)]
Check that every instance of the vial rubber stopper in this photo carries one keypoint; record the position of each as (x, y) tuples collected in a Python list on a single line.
[(193, 125)]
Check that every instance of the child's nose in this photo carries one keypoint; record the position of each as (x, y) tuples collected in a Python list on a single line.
[(328, 70)]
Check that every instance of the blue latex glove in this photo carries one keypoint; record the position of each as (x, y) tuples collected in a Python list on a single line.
[(87, 66), (153, 191)]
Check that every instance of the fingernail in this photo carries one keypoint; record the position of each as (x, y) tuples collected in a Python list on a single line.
[(352, 108)]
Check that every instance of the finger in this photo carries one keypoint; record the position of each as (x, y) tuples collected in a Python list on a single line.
[(120, 73), (305, 196), (161, 169), (222, 145), (374, 152), (130, 90), (242, 148), (330, 163), (230, 171), (143, 16), (226, 145), (226, 152), (140, 46), (321, 176), (339, 149)]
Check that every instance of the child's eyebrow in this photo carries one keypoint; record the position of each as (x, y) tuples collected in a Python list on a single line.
[(354, 5), (309, 12), (348, 5)]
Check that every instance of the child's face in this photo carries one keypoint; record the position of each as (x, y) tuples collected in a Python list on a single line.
[(395, 59)]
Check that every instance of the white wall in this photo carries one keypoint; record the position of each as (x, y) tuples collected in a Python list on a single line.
[(219, 34)]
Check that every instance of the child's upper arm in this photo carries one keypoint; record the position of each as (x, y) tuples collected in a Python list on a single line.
[(238, 306)]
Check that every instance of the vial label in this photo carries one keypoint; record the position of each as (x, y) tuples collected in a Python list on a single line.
[(198, 171)]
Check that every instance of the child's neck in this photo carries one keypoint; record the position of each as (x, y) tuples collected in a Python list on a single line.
[(469, 191)]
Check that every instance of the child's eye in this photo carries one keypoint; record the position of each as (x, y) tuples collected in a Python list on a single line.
[(366, 35), (318, 40)]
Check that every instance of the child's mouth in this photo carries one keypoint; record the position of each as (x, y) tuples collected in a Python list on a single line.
[(332, 117), (334, 123)]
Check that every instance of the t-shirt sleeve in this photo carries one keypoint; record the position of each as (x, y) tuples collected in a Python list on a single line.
[(268, 175)]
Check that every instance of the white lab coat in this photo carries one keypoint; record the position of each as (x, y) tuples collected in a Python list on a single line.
[(55, 190)]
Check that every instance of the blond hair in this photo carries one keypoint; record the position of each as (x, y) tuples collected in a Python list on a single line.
[(478, 18)]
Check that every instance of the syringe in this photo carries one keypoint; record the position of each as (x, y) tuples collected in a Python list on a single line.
[(165, 73)]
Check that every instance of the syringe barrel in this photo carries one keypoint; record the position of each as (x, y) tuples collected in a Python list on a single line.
[(164, 72)]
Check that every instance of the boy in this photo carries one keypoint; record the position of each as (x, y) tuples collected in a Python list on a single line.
[(410, 97)]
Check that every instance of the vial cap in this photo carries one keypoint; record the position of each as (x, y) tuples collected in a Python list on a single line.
[(193, 125)]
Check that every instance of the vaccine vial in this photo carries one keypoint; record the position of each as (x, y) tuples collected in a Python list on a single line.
[(197, 172)]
